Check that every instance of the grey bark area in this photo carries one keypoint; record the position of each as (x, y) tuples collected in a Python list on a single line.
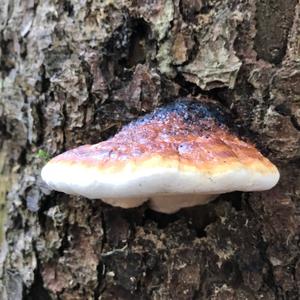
[(74, 72)]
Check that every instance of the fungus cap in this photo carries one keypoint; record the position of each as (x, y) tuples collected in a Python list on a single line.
[(181, 155)]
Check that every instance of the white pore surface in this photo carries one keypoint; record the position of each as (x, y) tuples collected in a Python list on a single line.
[(171, 203), (131, 187)]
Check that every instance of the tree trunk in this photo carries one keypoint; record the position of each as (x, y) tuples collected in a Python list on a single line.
[(74, 72)]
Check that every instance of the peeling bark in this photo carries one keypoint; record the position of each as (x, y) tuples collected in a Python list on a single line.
[(74, 72)]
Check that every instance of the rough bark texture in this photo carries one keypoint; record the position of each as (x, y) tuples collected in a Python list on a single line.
[(74, 72)]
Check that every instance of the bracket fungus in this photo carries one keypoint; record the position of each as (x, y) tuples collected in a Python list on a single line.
[(180, 155)]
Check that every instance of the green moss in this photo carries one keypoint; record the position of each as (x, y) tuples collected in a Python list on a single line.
[(43, 155)]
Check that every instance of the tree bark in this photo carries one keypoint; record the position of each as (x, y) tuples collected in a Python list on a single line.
[(74, 72)]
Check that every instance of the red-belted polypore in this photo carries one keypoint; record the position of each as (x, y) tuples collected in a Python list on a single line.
[(180, 155)]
